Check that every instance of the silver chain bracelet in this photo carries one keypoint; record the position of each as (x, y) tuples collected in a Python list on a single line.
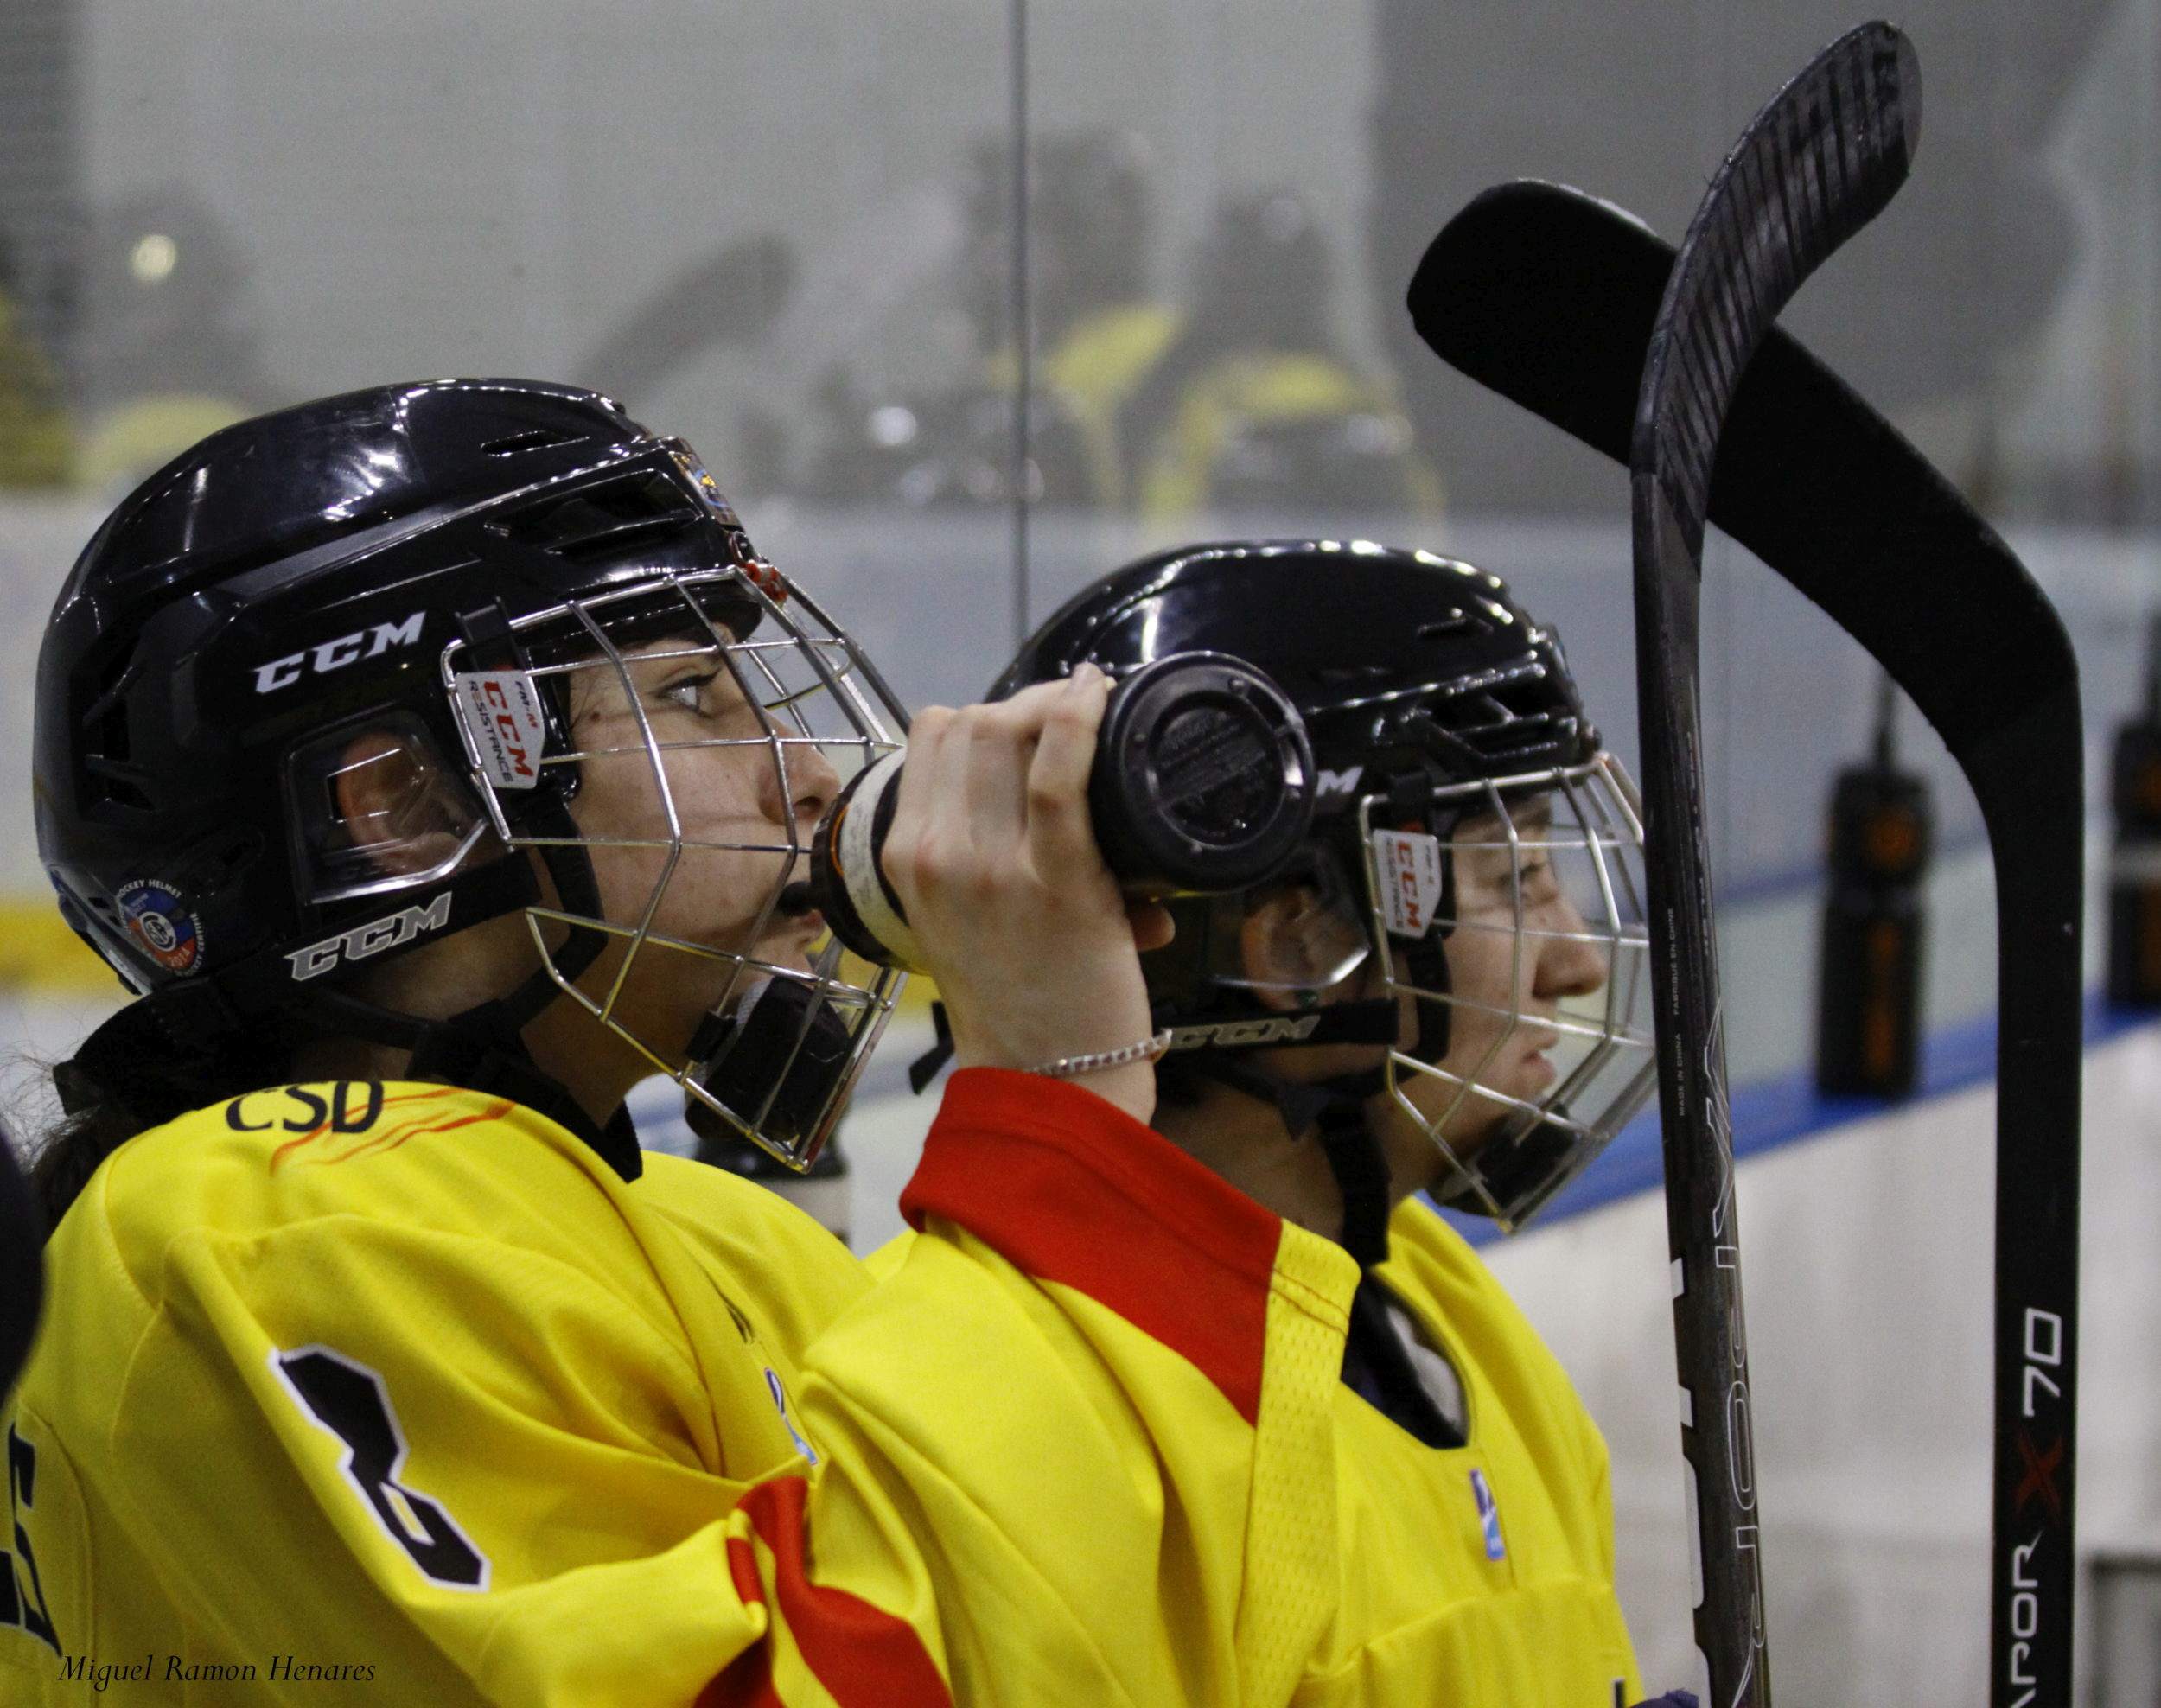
[(1072, 1066)]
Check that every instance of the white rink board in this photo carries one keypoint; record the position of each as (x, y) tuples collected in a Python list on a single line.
[(1866, 1258)]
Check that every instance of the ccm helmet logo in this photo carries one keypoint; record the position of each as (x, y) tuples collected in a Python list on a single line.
[(362, 643), (371, 939), (1232, 1032)]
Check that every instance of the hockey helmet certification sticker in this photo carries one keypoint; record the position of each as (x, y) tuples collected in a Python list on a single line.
[(759, 572), (1408, 880), (504, 727), (707, 489), (161, 924)]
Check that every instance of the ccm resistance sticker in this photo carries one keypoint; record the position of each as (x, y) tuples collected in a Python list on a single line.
[(500, 709), (1407, 864)]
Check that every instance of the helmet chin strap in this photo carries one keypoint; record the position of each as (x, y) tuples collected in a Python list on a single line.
[(1335, 1110), (733, 1059), (1514, 1172), (483, 1047)]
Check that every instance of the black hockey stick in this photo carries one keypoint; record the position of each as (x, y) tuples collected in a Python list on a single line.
[(1547, 296), (1819, 162)]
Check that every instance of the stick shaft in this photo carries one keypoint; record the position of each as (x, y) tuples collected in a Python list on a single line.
[(1826, 155), (1702, 1234)]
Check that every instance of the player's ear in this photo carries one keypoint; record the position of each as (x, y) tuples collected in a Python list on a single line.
[(394, 803), (1292, 943)]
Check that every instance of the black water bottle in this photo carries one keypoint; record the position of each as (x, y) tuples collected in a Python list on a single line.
[(2134, 869), (1202, 784), (1868, 1008)]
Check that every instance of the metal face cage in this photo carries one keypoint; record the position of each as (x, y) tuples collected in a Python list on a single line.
[(688, 725), (1517, 907)]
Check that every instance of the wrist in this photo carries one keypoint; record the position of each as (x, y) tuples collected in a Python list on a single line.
[(1128, 1085), (1131, 1088), (1122, 1074)]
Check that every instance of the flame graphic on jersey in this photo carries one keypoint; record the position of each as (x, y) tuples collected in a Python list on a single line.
[(387, 1138)]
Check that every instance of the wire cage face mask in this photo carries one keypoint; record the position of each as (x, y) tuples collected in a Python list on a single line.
[(1517, 910), (691, 724)]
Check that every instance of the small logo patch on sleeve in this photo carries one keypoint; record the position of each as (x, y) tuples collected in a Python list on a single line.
[(780, 1401), (1489, 1515)]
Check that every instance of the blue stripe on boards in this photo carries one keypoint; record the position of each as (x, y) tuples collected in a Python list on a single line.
[(1785, 1109)]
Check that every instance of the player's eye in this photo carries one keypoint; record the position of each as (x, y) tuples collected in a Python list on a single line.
[(1536, 866), (1541, 882), (689, 691)]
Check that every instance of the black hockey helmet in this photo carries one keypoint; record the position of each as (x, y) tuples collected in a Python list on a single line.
[(1444, 720), (428, 563)]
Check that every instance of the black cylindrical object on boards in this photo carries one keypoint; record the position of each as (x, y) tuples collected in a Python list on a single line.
[(1867, 994), (2134, 873)]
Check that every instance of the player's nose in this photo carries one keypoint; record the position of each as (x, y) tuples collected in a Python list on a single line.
[(1570, 961), (809, 787)]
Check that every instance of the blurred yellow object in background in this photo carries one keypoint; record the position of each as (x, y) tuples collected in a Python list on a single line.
[(126, 445), (38, 952), (37, 444)]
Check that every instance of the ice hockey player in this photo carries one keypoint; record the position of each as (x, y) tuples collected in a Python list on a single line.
[(428, 761), (1443, 993), (1300, 1447)]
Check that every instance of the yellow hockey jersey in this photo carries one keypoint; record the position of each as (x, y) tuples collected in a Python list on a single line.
[(399, 1394), (1089, 1442), (309, 1423)]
